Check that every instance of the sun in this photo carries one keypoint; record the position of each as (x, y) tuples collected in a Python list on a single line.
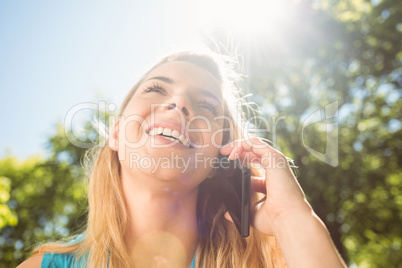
[(244, 17)]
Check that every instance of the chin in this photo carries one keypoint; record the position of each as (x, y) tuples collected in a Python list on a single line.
[(179, 177)]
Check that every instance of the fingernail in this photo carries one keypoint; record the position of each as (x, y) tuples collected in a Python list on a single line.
[(233, 155)]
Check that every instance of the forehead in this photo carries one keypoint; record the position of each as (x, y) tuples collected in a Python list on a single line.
[(187, 74)]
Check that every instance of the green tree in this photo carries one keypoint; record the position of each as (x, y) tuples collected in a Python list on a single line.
[(47, 195), (44, 199), (347, 52), (7, 217)]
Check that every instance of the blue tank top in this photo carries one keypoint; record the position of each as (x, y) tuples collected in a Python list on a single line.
[(66, 260)]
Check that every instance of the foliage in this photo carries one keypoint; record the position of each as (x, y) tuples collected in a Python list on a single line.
[(7, 217), (48, 195), (346, 52)]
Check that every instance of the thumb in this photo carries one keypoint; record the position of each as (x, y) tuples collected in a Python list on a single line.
[(228, 217)]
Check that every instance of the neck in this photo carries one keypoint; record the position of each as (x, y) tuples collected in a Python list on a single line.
[(162, 229)]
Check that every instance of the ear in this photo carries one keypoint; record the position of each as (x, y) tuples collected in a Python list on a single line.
[(114, 137)]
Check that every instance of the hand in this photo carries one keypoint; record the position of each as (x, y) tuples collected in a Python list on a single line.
[(284, 195)]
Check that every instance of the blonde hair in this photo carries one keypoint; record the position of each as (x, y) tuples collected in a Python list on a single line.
[(220, 244)]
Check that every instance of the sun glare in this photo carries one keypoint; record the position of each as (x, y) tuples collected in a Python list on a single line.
[(245, 17)]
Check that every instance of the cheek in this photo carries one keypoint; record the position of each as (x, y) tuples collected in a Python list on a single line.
[(131, 137), (216, 133), (134, 121), (211, 130), (129, 131)]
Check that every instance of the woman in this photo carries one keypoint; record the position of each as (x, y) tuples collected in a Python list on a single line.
[(152, 200)]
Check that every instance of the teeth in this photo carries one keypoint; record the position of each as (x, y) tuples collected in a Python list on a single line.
[(184, 140), (167, 132), (170, 138), (176, 136)]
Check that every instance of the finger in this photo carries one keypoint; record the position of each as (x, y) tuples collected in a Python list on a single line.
[(268, 157), (258, 184), (228, 217), (246, 144), (260, 220), (254, 150), (236, 152), (257, 146), (278, 173), (227, 149)]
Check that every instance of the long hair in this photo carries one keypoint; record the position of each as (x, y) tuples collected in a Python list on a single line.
[(220, 244)]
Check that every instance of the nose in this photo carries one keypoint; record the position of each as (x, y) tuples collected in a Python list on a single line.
[(181, 102), (184, 109)]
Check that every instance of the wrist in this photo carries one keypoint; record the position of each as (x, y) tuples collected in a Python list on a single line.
[(304, 240), (300, 211)]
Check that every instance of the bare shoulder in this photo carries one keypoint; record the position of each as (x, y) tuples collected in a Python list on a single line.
[(33, 262)]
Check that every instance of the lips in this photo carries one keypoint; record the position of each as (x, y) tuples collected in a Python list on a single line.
[(172, 131)]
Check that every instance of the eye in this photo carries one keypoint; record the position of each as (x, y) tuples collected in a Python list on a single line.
[(155, 88), (210, 106)]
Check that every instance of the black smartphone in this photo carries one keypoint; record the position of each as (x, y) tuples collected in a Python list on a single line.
[(235, 181)]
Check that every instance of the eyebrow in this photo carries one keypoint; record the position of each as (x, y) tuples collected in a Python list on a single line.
[(170, 81)]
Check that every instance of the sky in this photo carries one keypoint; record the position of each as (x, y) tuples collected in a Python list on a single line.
[(57, 54)]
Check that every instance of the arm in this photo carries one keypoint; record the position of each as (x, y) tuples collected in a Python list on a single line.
[(305, 241), (285, 214)]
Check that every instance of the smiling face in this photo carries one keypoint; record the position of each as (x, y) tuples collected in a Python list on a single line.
[(172, 127)]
